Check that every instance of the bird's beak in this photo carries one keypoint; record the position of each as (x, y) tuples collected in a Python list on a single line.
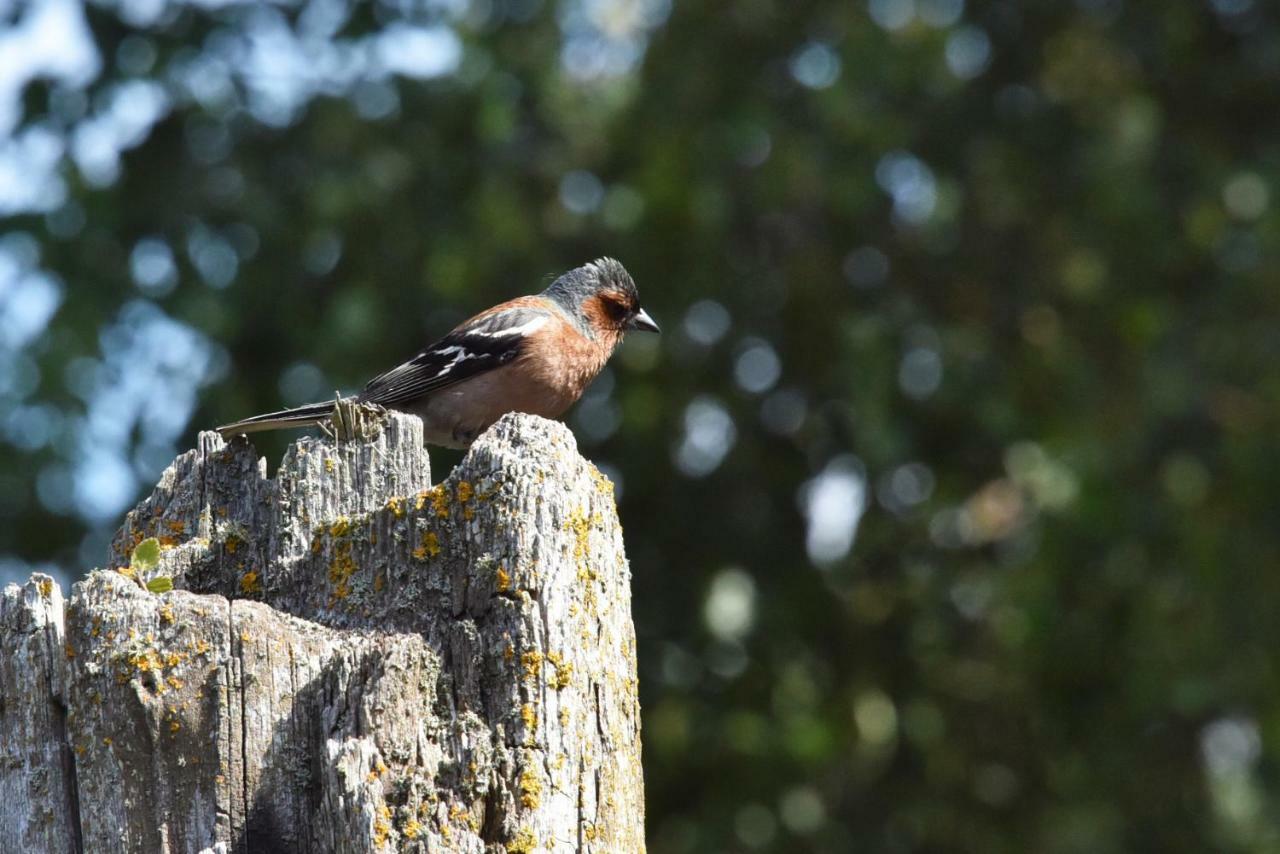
[(643, 322)]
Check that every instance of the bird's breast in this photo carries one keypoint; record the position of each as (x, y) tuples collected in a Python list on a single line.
[(545, 379)]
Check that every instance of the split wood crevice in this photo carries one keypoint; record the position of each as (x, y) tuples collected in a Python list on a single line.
[(353, 660)]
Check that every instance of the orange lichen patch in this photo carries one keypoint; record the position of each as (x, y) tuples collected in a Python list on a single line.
[(46, 588), (145, 662), (509, 653), (70, 651), (603, 484), (580, 525), (430, 546), (201, 647), (340, 527), (530, 788), (127, 571), (465, 494), (231, 544), (168, 542), (524, 842), (530, 717), (382, 826), (563, 671), (341, 568), (531, 661), (175, 683), (250, 583), (174, 726), (438, 495), (502, 581), (396, 506)]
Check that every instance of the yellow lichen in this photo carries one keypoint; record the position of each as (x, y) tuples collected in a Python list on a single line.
[(531, 661), (250, 583), (603, 484), (328, 465), (411, 829), (231, 544), (342, 567), (340, 527), (174, 726), (439, 496), (46, 588), (563, 671), (431, 543), (396, 506), (530, 717), (523, 843), (530, 789), (502, 581), (382, 826), (166, 615), (580, 524)]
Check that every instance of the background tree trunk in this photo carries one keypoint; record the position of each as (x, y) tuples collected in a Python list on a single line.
[(356, 661)]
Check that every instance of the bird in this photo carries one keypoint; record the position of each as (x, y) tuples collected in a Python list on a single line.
[(533, 354)]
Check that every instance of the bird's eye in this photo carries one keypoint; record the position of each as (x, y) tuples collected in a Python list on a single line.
[(615, 310)]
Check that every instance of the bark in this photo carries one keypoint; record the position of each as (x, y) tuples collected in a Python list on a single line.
[(356, 661)]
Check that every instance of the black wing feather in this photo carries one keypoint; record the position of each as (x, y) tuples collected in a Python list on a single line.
[(472, 349)]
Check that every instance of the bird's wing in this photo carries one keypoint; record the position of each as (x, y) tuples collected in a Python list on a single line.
[(484, 342)]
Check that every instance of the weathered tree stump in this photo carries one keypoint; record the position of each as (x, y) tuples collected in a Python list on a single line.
[(355, 661)]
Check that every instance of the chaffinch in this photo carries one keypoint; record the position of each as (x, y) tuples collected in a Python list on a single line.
[(533, 354)]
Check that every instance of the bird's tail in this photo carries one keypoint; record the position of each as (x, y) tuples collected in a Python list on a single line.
[(299, 416)]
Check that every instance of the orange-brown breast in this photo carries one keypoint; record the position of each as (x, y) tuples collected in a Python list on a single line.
[(561, 365)]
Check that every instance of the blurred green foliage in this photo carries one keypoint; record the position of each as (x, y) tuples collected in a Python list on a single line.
[(1001, 275)]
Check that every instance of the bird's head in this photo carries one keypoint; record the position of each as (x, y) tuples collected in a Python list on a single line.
[(602, 295)]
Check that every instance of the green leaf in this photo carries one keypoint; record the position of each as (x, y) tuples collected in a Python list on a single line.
[(145, 556), (160, 584)]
